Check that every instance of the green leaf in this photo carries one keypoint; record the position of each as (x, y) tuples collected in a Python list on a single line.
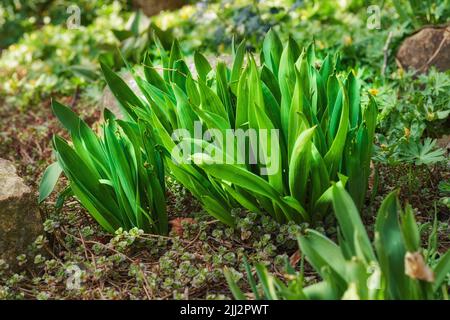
[(210, 101), (66, 116), (334, 155), (251, 279), (187, 116), (441, 270), (240, 177), (175, 55), (86, 186), (218, 211), (242, 102), (410, 231), (321, 252), (238, 61), (180, 74), (390, 248), (353, 89), (286, 76), (237, 293), (49, 180), (267, 282), (127, 99), (201, 65), (269, 79), (272, 50), (299, 165), (350, 223)]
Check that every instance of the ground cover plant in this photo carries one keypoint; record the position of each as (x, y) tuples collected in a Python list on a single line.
[(422, 113), (136, 205)]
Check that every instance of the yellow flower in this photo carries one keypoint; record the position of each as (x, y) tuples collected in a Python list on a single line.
[(186, 12), (373, 91), (407, 132), (320, 44), (348, 40), (430, 116)]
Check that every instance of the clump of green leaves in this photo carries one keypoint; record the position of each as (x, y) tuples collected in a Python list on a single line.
[(394, 267), (118, 177), (322, 128)]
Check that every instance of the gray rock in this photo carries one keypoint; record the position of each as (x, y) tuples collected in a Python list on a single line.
[(444, 142), (20, 221)]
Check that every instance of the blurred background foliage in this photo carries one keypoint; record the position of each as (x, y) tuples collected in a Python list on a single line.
[(18, 17)]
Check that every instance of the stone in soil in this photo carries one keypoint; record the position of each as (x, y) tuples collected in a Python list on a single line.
[(20, 221), (428, 47), (153, 7)]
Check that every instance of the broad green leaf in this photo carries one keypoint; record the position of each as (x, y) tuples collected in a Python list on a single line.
[(210, 101), (237, 293), (49, 180), (286, 78), (390, 247), (353, 89), (180, 74), (66, 116), (242, 102), (201, 65), (322, 252), (410, 231), (350, 223), (441, 270), (187, 116), (299, 165), (127, 99), (333, 156), (236, 71), (152, 76), (267, 282), (242, 178), (272, 50)]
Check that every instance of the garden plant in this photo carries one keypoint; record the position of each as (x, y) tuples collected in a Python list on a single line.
[(224, 149), (312, 119)]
